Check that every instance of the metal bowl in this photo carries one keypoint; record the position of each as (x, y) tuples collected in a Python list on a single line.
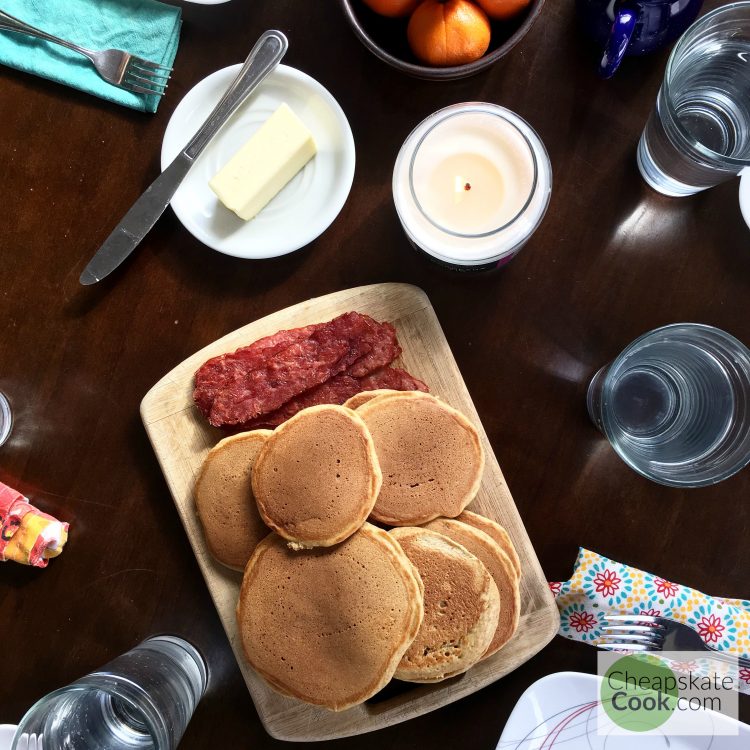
[(386, 39)]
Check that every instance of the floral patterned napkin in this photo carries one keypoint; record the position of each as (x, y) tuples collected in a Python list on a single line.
[(600, 586), (27, 535)]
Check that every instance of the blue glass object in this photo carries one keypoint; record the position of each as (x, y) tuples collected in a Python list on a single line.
[(634, 27)]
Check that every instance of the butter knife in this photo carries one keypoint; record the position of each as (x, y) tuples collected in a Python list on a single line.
[(138, 221)]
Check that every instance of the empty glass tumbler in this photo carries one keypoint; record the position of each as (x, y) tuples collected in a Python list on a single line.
[(698, 135), (143, 699), (675, 405), (6, 418)]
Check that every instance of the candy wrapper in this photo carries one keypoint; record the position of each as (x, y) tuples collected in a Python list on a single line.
[(27, 535)]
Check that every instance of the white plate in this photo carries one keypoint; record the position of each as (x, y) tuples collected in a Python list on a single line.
[(305, 208), (7, 732), (558, 712)]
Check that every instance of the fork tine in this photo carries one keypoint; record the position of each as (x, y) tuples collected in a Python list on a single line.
[(149, 64), (632, 638), (146, 82), (141, 89), (656, 629), (145, 72), (625, 647), (634, 619)]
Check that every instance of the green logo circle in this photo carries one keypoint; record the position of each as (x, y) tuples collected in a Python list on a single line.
[(639, 692)]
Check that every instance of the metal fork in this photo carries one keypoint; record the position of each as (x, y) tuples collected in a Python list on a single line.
[(30, 742), (116, 66), (648, 633)]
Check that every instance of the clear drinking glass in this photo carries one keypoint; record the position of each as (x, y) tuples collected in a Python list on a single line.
[(6, 418), (675, 405), (143, 699), (698, 135)]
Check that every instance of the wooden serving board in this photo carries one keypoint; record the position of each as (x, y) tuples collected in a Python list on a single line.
[(181, 437)]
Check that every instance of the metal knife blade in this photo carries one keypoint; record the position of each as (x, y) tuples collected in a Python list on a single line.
[(138, 221)]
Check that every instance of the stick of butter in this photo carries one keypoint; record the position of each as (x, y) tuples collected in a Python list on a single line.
[(258, 171)]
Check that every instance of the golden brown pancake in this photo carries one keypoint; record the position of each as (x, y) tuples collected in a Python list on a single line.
[(430, 456), (496, 531), (501, 569), (461, 607), (364, 396), (224, 499), (329, 626), (317, 477)]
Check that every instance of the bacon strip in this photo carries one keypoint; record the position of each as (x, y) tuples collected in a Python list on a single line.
[(270, 380), (392, 378), (385, 349), (226, 370), (336, 391)]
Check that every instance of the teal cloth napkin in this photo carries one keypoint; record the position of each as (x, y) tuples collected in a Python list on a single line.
[(144, 28)]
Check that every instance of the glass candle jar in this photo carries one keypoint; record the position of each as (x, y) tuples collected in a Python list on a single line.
[(471, 184)]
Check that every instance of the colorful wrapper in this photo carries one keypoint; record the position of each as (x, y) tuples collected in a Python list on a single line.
[(27, 535), (600, 586)]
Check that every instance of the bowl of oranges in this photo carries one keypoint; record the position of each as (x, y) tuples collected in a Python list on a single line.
[(440, 39)]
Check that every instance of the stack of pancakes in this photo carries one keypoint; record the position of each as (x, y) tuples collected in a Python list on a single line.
[(331, 606)]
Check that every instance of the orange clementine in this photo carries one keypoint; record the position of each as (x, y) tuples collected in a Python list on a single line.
[(448, 32), (501, 10), (392, 8)]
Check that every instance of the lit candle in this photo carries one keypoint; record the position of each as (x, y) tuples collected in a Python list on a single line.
[(471, 184)]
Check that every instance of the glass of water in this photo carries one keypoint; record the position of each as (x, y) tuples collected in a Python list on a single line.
[(143, 699), (698, 135), (6, 418), (675, 405)]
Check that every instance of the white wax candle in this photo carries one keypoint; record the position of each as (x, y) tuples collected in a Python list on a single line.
[(473, 173), (471, 183)]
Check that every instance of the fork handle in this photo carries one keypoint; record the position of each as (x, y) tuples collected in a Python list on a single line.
[(263, 58), (10, 23)]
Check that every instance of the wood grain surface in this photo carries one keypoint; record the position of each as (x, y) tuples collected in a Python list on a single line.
[(181, 438), (611, 260)]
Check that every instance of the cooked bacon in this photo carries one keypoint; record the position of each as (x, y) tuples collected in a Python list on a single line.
[(384, 350), (392, 378), (265, 383), (256, 380), (334, 391), (227, 370), (337, 390)]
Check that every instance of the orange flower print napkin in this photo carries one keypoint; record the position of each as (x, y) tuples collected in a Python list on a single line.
[(27, 535), (600, 586)]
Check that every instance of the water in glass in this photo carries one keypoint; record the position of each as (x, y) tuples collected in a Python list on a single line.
[(699, 133), (6, 418), (142, 700), (676, 404)]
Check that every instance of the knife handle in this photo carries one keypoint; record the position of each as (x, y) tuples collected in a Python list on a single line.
[(263, 58)]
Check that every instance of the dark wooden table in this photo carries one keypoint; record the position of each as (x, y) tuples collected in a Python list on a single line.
[(611, 260)]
